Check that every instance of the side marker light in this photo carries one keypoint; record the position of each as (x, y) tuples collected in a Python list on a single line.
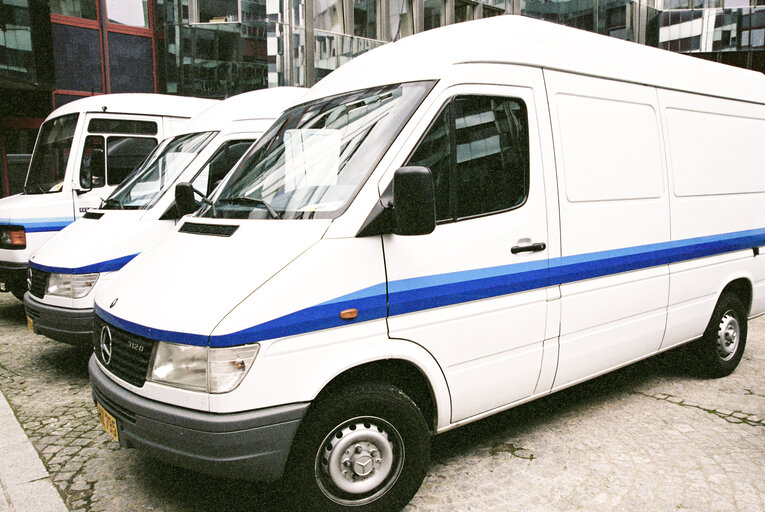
[(349, 314)]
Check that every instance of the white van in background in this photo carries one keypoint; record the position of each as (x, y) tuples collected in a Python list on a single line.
[(440, 232), (66, 272), (83, 150)]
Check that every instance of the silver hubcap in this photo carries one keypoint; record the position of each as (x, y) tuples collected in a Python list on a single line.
[(728, 334), (359, 460)]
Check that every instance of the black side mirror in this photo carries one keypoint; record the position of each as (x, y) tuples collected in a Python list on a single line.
[(414, 204), (95, 166), (184, 199)]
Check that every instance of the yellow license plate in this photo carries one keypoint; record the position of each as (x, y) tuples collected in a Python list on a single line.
[(31, 324), (108, 422)]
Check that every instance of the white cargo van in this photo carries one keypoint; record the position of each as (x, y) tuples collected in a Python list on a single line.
[(441, 231), (83, 150), (67, 271)]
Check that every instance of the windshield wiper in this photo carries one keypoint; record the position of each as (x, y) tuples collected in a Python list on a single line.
[(27, 190), (112, 202), (250, 200)]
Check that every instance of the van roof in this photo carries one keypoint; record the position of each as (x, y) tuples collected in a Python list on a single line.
[(520, 40), (260, 105), (136, 103)]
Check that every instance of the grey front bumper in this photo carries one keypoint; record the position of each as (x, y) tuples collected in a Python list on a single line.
[(74, 326), (251, 445)]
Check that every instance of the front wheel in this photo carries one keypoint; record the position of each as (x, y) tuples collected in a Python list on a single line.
[(365, 448), (722, 346)]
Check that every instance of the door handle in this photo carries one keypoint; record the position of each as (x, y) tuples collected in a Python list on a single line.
[(539, 246)]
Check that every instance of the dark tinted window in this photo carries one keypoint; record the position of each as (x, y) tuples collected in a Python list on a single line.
[(123, 154), (435, 153), (93, 162), (477, 150), (492, 154), (77, 58), (131, 67), (122, 126), (219, 165)]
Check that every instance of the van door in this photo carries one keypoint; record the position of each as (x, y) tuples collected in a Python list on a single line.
[(473, 291), (114, 146), (614, 221)]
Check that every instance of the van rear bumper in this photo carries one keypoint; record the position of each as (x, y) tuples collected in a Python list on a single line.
[(250, 445), (73, 326)]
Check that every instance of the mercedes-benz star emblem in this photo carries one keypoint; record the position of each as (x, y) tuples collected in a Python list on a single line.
[(113, 303), (106, 344)]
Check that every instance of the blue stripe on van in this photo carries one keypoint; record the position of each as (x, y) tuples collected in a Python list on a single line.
[(102, 266), (40, 225), (427, 292)]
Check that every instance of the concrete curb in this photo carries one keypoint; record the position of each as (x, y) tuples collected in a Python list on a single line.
[(25, 485)]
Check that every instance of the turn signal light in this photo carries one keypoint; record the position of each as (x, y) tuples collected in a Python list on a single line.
[(349, 314), (13, 237)]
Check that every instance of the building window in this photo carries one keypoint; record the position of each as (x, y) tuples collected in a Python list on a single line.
[(328, 15), (434, 14), (214, 11), (464, 11), (76, 8), (133, 13), (401, 21), (365, 18)]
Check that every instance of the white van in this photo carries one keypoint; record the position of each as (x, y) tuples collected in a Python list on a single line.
[(440, 232), (106, 136), (66, 272)]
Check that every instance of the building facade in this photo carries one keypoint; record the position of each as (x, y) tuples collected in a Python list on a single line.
[(55, 51)]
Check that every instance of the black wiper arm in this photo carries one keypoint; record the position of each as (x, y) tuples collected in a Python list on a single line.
[(251, 200)]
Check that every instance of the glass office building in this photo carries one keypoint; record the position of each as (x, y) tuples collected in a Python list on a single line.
[(55, 51)]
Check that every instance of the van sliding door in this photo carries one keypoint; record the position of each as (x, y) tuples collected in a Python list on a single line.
[(614, 214)]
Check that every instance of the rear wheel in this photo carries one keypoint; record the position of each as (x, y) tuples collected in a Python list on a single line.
[(365, 448), (722, 346)]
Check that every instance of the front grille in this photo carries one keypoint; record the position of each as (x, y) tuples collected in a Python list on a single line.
[(38, 282), (130, 353)]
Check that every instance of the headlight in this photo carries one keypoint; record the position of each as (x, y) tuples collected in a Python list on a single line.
[(215, 370), (13, 237), (75, 286)]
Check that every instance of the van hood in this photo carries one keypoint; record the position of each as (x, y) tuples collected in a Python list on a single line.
[(38, 212), (180, 289), (105, 244)]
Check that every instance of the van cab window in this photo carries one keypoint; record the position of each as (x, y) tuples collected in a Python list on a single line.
[(51, 154), (122, 156), (219, 165), (148, 183), (478, 153), (315, 158)]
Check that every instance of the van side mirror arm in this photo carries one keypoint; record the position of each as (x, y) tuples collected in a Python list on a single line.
[(184, 198)]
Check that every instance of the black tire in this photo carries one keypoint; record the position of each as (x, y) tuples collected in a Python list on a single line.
[(365, 448), (722, 346)]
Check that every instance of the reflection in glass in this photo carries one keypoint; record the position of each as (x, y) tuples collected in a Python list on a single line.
[(365, 18), (124, 154), (313, 160), (401, 21), (51, 154), (158, 173), (328, 15), (434, 14), (217, 11), (77, 8), (133, 13)]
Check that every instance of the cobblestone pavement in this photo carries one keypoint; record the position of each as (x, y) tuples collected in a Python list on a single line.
[(651, 437)]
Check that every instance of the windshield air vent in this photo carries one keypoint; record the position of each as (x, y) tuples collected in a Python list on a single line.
[(208, 229), (92, 215)]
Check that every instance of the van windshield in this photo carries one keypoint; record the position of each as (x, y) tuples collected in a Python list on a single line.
[(315, 158), (147, 184), (51, 154)]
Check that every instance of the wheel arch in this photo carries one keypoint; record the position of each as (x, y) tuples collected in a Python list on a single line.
[(740, 287)]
